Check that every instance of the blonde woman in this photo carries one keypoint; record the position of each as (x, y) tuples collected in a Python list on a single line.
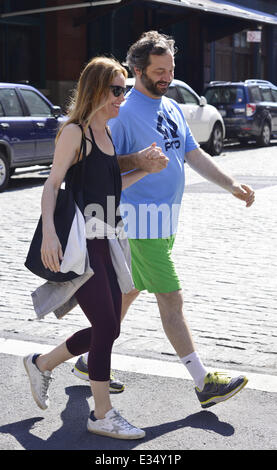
[(99, 93)]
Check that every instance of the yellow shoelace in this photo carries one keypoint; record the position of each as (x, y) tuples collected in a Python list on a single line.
[(217, 377)]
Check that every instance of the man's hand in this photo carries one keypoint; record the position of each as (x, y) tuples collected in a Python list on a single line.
[(243, 192), (203, 163), (151, 159)]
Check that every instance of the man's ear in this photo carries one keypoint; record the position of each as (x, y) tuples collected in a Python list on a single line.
[(138, 72)]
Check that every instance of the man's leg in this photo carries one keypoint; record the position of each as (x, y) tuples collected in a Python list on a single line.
[(211, 388), (174, 323), (127, 300), (178, 332)]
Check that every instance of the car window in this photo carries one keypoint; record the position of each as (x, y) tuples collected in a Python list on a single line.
[(1, 110), (225, 95), (213, 95), (36, 105), (173, 93), (274, 93), (255, 94), (10, 102), (187, 96), (266, 94)]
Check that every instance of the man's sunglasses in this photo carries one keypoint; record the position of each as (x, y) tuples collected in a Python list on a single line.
[(117, 90)]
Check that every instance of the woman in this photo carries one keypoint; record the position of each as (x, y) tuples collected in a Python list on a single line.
[(99, 93)]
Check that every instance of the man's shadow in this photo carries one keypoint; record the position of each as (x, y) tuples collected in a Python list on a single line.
[(72, 435)]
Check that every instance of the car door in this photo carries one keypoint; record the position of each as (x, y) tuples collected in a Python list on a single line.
[(15, 128), (188, 110), (194, 114), (270, 105), (274, 118), (45, 124)]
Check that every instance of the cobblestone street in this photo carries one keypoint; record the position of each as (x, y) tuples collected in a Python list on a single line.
[(225, 255)]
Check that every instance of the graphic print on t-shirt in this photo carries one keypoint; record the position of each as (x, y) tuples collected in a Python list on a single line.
[(172, 126)]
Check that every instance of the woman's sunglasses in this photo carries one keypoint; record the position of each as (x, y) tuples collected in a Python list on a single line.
[(117, 90)]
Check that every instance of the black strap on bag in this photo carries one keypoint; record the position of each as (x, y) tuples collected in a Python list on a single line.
[(63, 218)]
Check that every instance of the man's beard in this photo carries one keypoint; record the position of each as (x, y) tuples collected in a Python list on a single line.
[(152, 87)]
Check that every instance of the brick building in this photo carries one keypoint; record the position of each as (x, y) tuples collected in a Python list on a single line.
[(47, 42)]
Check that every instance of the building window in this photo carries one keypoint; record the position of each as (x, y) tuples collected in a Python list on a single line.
[(240, 40)]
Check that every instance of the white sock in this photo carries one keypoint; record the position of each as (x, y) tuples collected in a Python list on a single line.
[(195, 367)]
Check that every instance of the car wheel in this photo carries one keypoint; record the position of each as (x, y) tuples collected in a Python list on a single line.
[(4, 172), (264, 138), (215, 145)]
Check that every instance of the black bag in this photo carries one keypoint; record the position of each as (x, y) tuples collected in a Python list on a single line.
[(63, 217)]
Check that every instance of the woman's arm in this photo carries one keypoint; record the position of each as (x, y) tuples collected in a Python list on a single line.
[(133, 177), (64, 156), (150, 159), (156, 161)]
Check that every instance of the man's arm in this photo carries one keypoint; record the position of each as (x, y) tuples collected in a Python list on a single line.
[(203, 164), (150, 160)]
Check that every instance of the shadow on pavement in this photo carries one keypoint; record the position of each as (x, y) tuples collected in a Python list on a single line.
[(27, 179), (72, 435), (230, 146)]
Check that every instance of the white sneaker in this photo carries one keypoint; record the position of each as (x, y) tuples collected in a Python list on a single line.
[(114, 425), (39, 381)]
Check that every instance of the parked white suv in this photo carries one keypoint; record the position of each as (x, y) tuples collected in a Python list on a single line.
[(204, 120)]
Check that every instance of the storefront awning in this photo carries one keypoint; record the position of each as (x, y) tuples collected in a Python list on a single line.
[(226, 8), (220, 7), (70, 6)]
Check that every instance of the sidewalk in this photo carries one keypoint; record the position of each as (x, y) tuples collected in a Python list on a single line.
[(166, 408)]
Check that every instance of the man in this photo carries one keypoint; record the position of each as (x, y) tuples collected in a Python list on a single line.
[(150, 208)]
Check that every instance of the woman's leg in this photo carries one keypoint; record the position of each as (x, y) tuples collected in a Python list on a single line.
[(101, 396), (100, 300), (54, 358)]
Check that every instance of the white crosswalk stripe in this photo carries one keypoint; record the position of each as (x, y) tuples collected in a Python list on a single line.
[(262, 382)]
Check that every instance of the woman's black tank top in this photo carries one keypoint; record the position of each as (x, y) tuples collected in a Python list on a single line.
[(101, 183)]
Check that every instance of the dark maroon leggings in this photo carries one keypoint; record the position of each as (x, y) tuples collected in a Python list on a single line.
[(100, 299)]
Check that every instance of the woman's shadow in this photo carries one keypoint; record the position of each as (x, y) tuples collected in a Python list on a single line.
[(72, 435)]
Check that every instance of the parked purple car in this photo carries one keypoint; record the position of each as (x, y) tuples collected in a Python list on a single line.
[(28, 126)]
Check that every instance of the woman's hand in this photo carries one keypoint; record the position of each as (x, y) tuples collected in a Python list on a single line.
[(152, 159), (51, 252)]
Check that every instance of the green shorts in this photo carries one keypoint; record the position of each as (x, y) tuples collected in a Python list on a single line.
[(152, 267)]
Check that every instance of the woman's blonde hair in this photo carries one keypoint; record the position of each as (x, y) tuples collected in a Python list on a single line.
[(92, 87)]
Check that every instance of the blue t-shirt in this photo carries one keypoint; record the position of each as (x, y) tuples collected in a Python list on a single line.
[(150, 208)]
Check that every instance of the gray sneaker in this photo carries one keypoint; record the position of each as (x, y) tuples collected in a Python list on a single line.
[(80, 370), (39, 381), (114, 425), (219, 387)]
